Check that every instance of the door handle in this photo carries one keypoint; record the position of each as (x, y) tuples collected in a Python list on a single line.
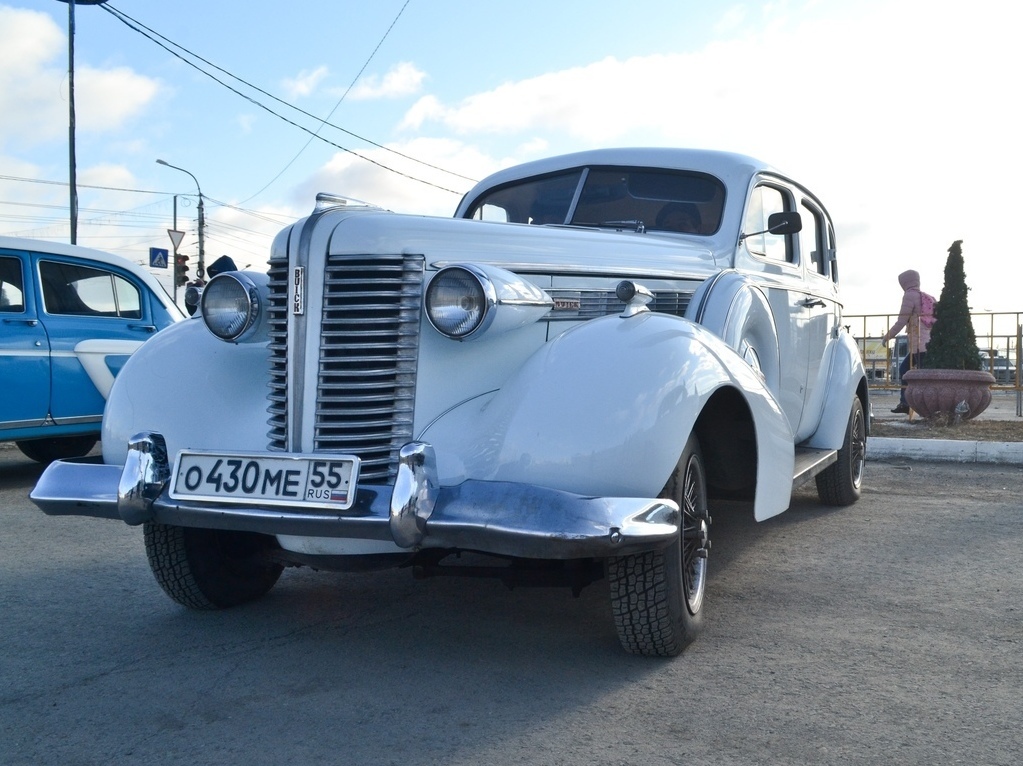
[(29, 322), (146, 327), (812, 303)]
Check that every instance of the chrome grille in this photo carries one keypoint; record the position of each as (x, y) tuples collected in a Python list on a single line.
[(366, 367), (277, 319), (590, 304)]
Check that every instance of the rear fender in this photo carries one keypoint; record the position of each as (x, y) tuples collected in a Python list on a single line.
[(606, 409), (846, 378)]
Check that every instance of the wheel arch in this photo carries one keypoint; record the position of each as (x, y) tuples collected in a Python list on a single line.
[(727, 435)]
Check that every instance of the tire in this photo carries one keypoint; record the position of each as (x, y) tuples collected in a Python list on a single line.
[(47, 450), (840, 482), (210, 568), (657, 596)]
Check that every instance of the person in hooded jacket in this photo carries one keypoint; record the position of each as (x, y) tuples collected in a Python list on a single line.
[(917, 316)]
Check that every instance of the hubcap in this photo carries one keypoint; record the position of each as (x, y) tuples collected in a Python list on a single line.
[(695, 535), (858, 445)]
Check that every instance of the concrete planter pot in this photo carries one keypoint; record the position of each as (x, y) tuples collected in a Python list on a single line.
[(952, 393)]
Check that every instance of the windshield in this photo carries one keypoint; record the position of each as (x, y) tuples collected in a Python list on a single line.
[(638, 199)]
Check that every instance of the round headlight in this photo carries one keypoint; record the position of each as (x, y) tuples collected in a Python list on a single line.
[(458, 301), (230, 305)]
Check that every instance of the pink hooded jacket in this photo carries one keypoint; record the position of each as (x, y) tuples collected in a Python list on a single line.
[(910, 313)]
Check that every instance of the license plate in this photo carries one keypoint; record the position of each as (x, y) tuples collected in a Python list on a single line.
[(305, 481)]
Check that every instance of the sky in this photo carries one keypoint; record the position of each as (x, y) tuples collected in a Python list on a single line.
[(901, 115)]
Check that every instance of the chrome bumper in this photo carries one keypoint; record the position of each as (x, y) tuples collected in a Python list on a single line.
[(494, 517)]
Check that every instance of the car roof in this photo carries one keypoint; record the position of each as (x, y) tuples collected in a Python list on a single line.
[(78, 251)]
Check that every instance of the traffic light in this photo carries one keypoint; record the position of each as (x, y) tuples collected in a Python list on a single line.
[(180, 269)]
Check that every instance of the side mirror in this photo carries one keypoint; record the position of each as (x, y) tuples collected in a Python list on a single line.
[(780, 224), (784, 223)]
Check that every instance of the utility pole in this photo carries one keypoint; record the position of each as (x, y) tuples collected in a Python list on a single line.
[(200, 269), (72, 162)]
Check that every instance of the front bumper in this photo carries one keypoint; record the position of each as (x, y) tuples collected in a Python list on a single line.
[(493, 517)]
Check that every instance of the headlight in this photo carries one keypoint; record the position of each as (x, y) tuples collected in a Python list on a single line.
[(230, 305), (459, 301)]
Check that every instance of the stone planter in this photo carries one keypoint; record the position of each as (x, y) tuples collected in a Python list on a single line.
[(962, 393)]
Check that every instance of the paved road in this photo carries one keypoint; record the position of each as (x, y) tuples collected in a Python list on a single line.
[(885, 633)]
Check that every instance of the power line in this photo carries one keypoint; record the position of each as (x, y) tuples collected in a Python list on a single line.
[(149, 34), (334, 109), (82, 186)]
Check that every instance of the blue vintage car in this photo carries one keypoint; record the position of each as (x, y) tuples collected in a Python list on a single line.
[(69, 319)]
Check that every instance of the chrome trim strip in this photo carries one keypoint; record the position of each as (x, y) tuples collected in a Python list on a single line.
[(556, 270), (77, 420)]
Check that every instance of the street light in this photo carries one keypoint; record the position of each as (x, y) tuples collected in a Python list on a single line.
[(72, 171), (200, 269)]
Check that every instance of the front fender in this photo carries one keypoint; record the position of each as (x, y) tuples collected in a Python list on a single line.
[(198, 391), (606, 409)]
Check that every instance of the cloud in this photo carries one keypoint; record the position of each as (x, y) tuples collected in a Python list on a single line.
[(403, 79), (378, 184), (34, 85), (305, 83), (909, 145), (105, 99)]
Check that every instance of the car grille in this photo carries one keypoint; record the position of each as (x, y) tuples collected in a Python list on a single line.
[(367, 356), (590, 304)]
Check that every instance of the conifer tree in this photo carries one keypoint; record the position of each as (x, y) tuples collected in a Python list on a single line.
[(953, 344)]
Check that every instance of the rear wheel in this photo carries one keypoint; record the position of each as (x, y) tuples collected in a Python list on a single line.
[(840, 482), (210, 568), (48, 450), (657, 596)]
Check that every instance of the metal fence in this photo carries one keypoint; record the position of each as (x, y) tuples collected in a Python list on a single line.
[(999, 342)]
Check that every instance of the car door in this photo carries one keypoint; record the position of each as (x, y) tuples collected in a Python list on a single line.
[(96, 315), (24, 347), (775, 260), (820, 298)]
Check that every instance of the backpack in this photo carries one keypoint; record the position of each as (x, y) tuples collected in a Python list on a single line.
[(927, 304)]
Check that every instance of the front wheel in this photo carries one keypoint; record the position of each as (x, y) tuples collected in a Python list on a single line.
[(210, 568), (840, 482), (657, 596)]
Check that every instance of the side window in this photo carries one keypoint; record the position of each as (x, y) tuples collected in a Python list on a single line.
[(811, 239), (765, 201), (832, 254), (12, 286), (85, 291)]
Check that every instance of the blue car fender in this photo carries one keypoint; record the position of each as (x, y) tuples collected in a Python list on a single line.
[(606, 410)]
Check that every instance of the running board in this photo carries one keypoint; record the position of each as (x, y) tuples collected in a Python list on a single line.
[(810, 462)]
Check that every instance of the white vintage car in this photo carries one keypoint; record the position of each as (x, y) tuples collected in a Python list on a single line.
[(561, 381)]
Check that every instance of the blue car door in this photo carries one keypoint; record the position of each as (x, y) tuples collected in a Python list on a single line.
[(24, 347), (85, 305)]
